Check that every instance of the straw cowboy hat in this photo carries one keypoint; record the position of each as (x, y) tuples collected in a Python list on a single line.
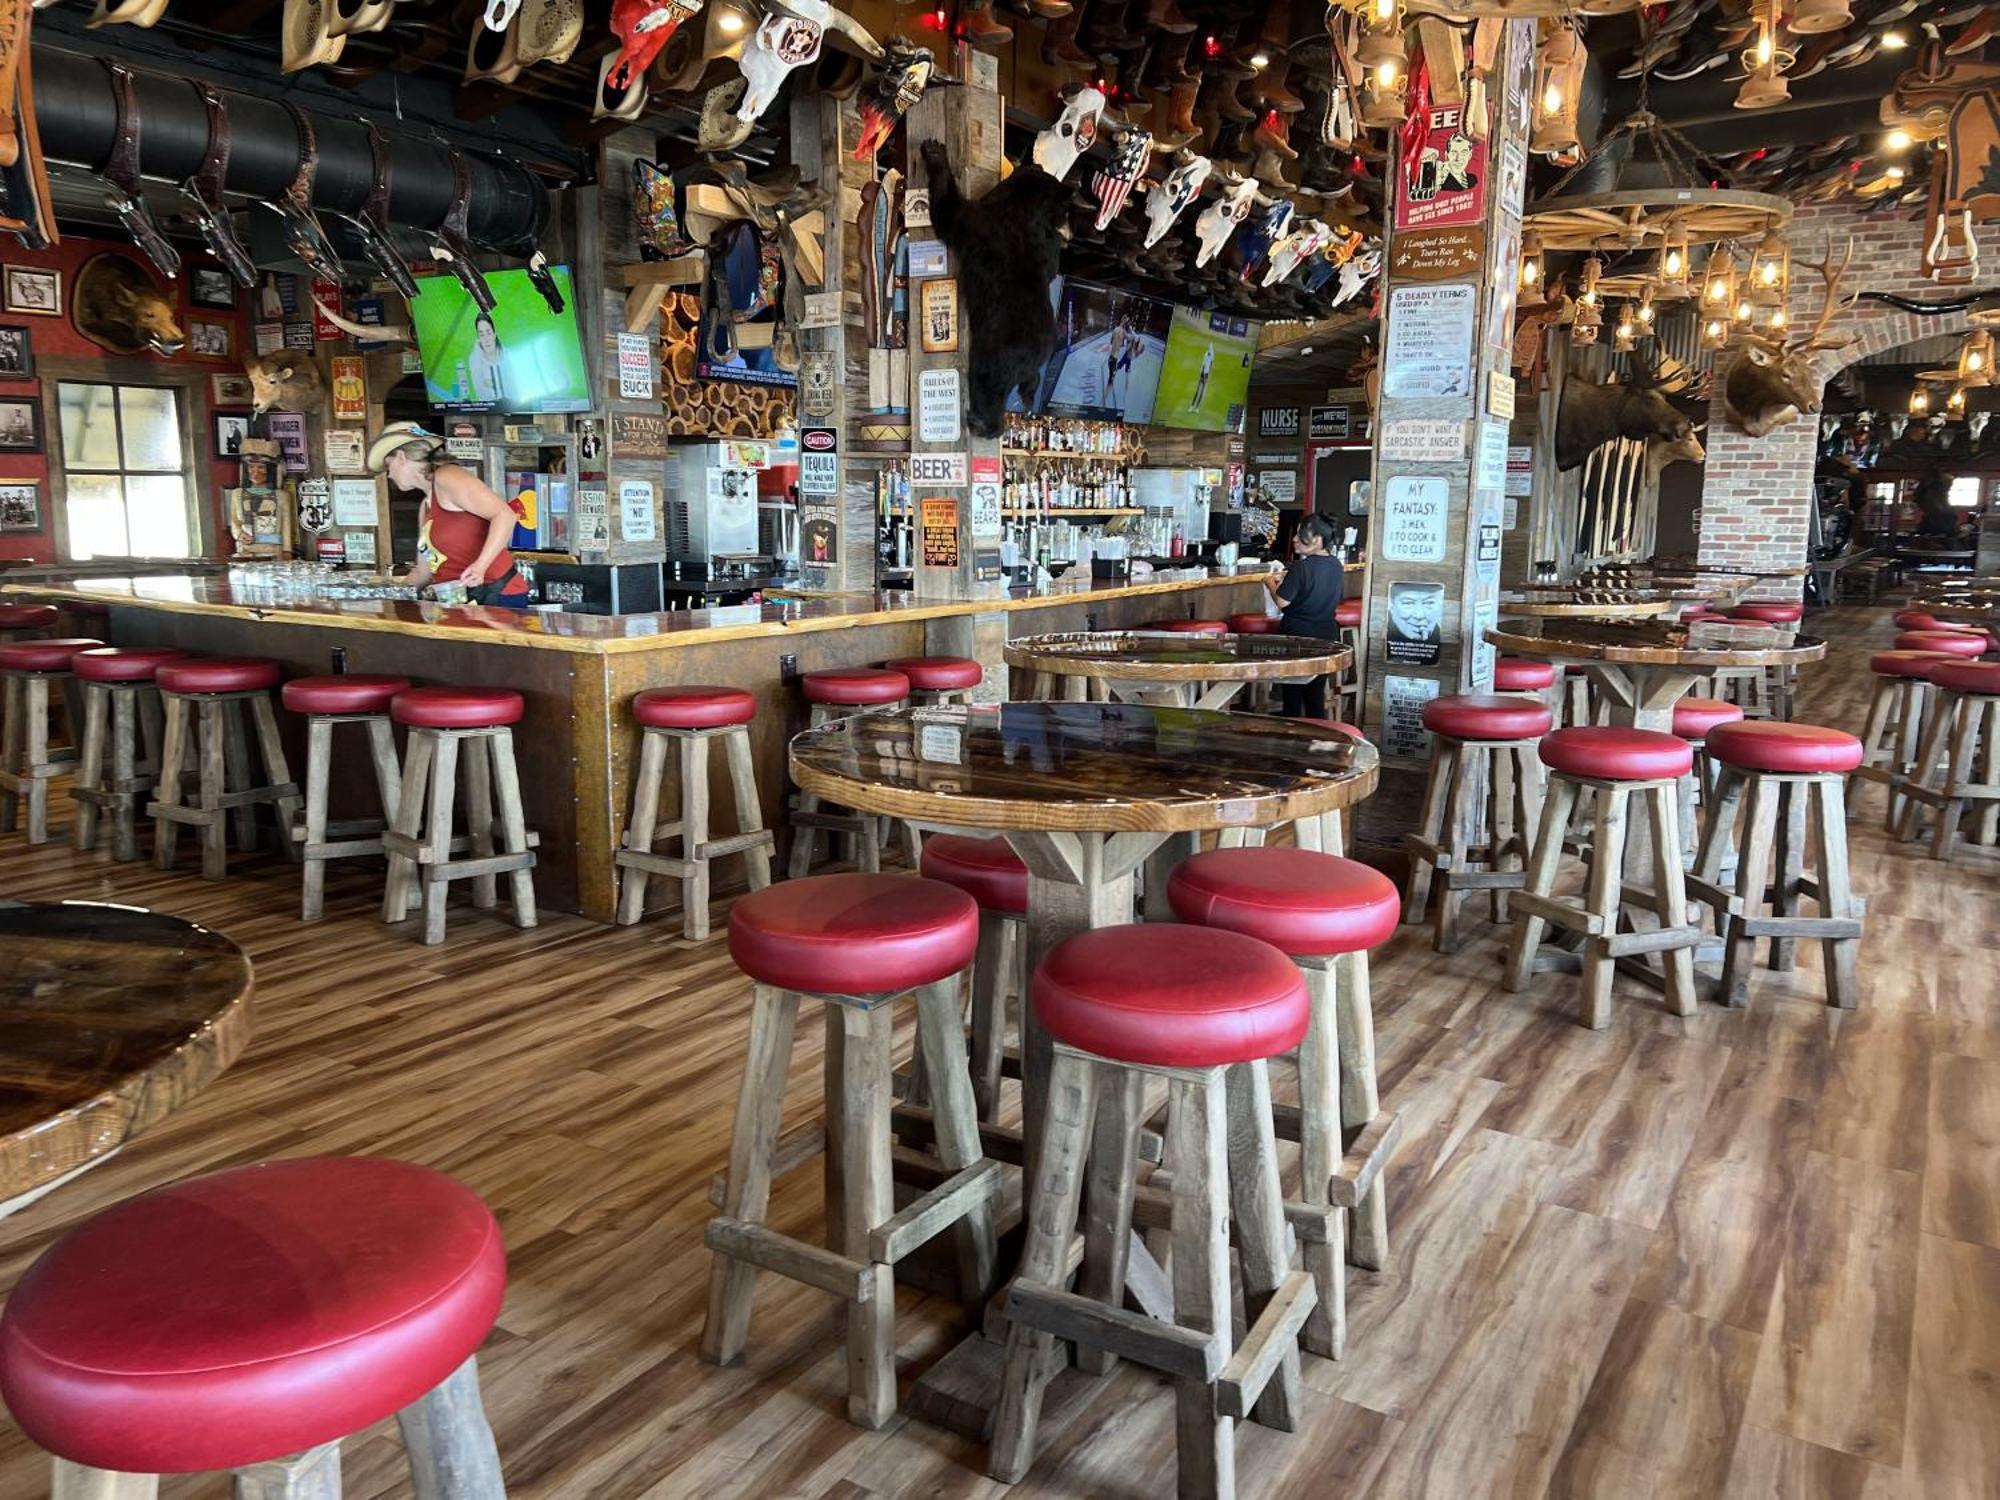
[(494, 53), (611, 101), (395, 437), (354, 17), (126, 12), (304, 41), (548, 30)]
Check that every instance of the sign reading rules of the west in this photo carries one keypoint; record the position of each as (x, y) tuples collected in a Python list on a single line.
[(1278, 421)]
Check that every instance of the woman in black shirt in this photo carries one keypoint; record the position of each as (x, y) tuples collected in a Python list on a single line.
[(1307, 596)]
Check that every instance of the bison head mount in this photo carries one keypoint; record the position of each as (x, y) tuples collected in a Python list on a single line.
[(1593, 415), (1771, 381), (118, 306)]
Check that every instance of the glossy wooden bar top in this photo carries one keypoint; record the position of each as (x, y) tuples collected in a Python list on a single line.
[(1656, 642), (786, 614), (1168, 656), (1083, 767), (1607, 603), (115, 1016)]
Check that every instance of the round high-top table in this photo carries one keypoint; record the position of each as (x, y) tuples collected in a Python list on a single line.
[(1574, 601), (1085, 793), (117, 1017), (1168, 669)]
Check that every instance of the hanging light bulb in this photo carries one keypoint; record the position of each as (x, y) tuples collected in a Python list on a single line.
[(1715, 334), (1718, 286), (1559, 65), (1593, 268), (1765, 61), (1674, 262), (1975, 359), (1920, 400), (1775, 321), (1532, 268), (1955, 405), (1383, 89), (1625, 330), (1744, 309), (1585, 322), (1645, 312), (1382, 36), (1771, 269)]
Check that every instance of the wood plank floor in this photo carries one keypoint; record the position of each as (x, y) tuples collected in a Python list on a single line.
[(1751, 1253)]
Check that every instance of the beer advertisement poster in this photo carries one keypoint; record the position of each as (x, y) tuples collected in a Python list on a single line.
[(1442, 169)]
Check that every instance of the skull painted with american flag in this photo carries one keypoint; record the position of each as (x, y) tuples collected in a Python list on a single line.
[(1131, 151), (1167, 199)]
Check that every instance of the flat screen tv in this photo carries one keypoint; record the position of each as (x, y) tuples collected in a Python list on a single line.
[(1110, 345), (523, 358), (1206, 378)]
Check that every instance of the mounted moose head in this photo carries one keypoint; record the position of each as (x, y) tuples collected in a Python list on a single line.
[(1771, 380), (1592, 415)]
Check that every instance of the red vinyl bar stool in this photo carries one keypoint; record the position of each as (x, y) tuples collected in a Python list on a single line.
[(249, 1320), (831, 693), (1786, 776), (939, 679), (121, 712), (1516, 674), (989, 871), (1204, 1009), (1966, 643), (22, 621), (441, 721), (1693, 718), (1258, 624), (1768, 612), (206, 699), (1894, 729), (353, 698), (1348, 618), (1615, 764), (1479, 740), (1192, 627), (1959, 764), (1327, 913), (1918, 619), (27, 764), (691, 719), (855, 943)]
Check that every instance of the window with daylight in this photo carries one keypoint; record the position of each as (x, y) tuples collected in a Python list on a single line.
[(125, 481)]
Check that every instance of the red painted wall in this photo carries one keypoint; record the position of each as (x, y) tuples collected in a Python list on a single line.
[(57, 337)]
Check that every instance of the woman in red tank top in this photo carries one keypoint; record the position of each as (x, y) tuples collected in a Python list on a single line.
[(465, 527)]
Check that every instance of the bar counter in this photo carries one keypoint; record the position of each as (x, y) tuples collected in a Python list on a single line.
[(577, 745)]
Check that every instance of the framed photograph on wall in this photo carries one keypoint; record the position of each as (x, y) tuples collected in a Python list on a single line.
[(231, 428), (207, 340), (20, 424), (17, 353), (211, 286), (20, 505), (30, 289), (230, 390)]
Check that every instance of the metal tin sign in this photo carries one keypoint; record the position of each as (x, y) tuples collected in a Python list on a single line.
[(1413, 518), (1278, 421), (1328, 423), (1437, 254), (1442, 169), (819, 463), (938, 469), (1429, 351), (638, 435), (938, 523), (938, 405), (1424, 440)]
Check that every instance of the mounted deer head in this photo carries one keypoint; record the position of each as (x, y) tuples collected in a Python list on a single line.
[(1771, 381)]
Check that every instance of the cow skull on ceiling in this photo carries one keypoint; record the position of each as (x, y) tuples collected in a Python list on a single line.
[(1168, 198), (1072, 134), (1219, 220)]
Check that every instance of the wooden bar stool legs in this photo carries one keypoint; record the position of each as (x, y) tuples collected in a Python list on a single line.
[(1958, 766), (639, 857), (123, 728), (420, 843), (321, 839), (27, 764), (205, 703)]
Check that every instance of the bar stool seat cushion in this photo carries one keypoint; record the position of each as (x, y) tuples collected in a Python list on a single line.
[(1487, 716), (44, 656), (988, 870), (1347, 612), (1918, 619), (1252, 625), (693, 707), (1611, 753), (1951, 642), (217, 674), (1166, 995), (1694, 717), (1296, 900), (1906, 663), (1774, 745), (1194, 627), (1699, 615), (855, 687), (457, 708), (939, 674), (854, 934), (1981, 677), (123, 663), (353, 693), (1769, 612), (27, 616), (1515, 674), (249, 1314)]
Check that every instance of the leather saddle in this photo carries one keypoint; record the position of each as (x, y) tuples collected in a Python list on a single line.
[(121, 169), (204, 192)]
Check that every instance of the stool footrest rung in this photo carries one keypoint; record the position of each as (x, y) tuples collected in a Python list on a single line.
[(1660, 940), (469, 869), (737, 843), (793, 1150), (998, 1142), (768, 1250), (1275, 1334), (1830, 929), (1310, 1224), (1361, 1162), (1563, 914), (341, 848), (1483, 880), (418, 849), (930, 1214), (1166, 1347)]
